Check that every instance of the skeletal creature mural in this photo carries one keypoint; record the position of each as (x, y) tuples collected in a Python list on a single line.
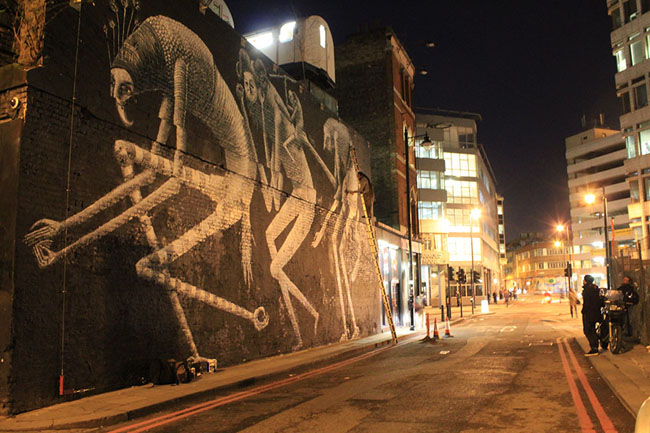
[(285, 141), (164, 56), (343, 241)]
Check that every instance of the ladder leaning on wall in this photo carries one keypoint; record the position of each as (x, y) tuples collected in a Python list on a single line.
[(372, 240)]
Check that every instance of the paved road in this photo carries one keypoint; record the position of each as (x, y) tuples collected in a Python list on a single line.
[(510, 372)]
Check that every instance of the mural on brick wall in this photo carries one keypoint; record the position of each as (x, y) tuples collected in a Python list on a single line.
[(163, 56)]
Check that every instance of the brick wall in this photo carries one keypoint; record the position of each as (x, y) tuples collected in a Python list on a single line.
[(222, 235), (365, 92)]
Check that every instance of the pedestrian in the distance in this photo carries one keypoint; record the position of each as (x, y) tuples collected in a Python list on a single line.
[(591, 314), (494, 296), (573, 302), (506, 297)]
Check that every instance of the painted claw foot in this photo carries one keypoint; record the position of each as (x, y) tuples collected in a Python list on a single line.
[(355, 333), (260, 318)]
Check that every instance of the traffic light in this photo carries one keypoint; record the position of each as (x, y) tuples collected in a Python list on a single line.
[(476, 277), (569, 267), (462, 278), (566, 271), (450, 273)]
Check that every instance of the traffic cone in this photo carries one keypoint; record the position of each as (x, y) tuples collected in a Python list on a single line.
[(447, 328), (436, 335)]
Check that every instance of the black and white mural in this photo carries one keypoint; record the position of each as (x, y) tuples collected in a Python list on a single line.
[(225, 192)]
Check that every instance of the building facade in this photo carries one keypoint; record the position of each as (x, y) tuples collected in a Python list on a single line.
[(539, 264), (374, 89), (455, 178), (630, 38), (595, 165)]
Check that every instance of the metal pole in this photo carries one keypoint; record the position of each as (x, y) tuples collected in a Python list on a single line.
[(607, 249), (408, 227), (471, 245), (570, 240)]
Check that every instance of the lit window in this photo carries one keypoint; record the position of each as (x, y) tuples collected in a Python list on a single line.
[(621, 65), (645, 141), (261, 40), (630, 145), (636, 52), (428, 210), (286, 32), (460, 164), (321, 31)]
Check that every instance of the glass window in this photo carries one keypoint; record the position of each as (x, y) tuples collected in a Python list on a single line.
[(460, 164), (630, 145), (429, 179), (640, 97), (644, 137), (645, 6), (646, 185), (616, 18), (629, 10), (321, 32), (634, 191), (625, 102), (636, 52), (462, 192), (621, 65), (286, 32), (428, 210)]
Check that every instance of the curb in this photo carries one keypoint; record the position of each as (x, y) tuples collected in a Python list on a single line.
[(128, 415), (610, 375), (132, 414)]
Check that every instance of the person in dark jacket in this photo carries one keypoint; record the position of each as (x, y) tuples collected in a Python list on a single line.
[(591, 314), (630, 297)]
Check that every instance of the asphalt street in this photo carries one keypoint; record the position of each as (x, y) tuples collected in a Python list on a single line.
[(509, 372)]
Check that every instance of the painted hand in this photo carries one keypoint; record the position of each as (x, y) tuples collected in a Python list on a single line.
[(44, 255), (42, 230)]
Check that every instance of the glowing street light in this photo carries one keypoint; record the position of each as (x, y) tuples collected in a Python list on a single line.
[(558, 244)]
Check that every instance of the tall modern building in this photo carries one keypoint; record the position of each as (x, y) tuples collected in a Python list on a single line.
[(595, 165), (458, 165), (630, 40)]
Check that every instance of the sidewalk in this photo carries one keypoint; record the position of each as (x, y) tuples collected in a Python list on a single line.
[(627, 374), (129, 403)]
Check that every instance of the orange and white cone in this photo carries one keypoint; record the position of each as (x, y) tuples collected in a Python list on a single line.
[(436, 335), (447, 328)]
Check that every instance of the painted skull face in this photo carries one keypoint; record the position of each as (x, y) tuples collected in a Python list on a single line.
[(122, 90), (250, 88)]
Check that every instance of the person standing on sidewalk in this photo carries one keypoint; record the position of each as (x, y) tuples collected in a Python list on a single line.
[(573, 302), (591, 305)]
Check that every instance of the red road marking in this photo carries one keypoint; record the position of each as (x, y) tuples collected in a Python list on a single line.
[(175, 416), (605, 422), (583, 417)]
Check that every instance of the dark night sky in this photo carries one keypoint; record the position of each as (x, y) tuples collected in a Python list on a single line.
[(530, 68)]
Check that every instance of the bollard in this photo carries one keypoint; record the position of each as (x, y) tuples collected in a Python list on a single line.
[(427, 325)]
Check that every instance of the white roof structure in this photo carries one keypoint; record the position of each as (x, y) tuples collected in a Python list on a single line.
[(306, 40)]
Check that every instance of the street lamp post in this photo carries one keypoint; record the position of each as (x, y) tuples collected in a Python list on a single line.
[(426, 142), (474, 215), (590, 199), (565, 228)]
